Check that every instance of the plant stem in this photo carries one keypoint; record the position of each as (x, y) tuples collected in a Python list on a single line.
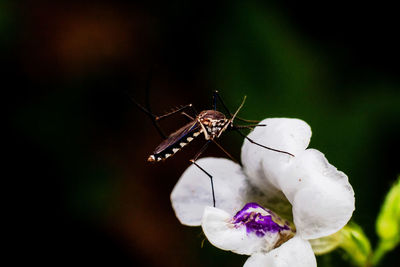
[(379, 252)]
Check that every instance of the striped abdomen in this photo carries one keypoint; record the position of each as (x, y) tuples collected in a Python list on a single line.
[(176, 141)]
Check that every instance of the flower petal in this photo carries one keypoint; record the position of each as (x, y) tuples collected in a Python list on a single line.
[(263, 166), (321, 196), (227, 233), (193, 192), (295, 252)]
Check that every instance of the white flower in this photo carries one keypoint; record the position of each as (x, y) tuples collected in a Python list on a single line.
[(313, 197)]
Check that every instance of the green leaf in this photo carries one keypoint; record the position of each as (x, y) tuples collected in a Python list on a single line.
[(326, 244), (388, 223), (356, 244)]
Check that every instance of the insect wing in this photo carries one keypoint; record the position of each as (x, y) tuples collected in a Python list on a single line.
[(177, 136)]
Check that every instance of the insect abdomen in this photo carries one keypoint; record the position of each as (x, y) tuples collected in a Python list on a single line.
[(172, 149)]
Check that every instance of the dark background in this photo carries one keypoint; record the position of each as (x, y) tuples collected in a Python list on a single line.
[(81, 190)]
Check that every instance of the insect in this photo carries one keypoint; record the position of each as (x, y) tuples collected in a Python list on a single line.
[(209, 123)]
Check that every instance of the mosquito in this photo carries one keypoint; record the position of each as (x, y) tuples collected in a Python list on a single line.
[(209, 123)]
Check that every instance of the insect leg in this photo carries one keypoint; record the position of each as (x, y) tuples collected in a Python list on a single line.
[(215, 96), (198, 154), (148, 107), (215, 100), (147, 110), (188, 116), (241, 119), (251, 126), (155, 118), (151, 116), (176, 111), (193, 161), (211, 179), (253, 142), (226, 152)]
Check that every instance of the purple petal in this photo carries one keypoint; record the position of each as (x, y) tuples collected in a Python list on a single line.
[(259, 220)]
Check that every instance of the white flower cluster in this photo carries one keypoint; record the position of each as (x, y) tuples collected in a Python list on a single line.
[(305, 191)]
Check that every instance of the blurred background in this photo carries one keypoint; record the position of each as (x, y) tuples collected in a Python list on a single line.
[(81, 189)]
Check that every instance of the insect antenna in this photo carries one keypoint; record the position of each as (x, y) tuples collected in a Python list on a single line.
[(237, 111), (216, 95)]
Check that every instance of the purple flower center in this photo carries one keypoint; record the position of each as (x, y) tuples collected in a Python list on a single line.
[(259, 220)]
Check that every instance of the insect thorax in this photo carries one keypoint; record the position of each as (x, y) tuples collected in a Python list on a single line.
[(213, 123)]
